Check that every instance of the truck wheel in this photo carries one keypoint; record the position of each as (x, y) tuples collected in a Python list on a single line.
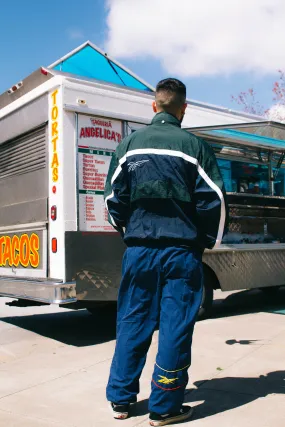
[(208, 296)]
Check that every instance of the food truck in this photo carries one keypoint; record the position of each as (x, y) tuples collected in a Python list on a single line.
[(58, 130)]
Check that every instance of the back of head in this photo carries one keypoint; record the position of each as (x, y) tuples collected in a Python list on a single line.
[(171, 97)]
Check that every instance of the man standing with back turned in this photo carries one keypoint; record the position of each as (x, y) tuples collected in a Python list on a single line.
[(165, 195)]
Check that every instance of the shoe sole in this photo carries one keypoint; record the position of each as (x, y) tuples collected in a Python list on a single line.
[(177, 419), (118, 415)]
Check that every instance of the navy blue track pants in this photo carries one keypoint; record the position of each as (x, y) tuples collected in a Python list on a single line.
[(159, 286)]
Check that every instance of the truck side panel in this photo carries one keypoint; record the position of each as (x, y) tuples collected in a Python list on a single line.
[(24, 119), (248, 266), (23, 178), (94, 261)]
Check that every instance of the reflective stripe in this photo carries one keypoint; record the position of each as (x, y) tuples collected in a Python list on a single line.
[(177, 370), (202, 173), (114, 177), (168, 389), (223, 207)]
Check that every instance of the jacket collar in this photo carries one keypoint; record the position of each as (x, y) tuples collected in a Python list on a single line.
[(166, 118)]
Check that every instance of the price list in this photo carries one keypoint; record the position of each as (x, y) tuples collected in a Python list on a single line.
[(93, 169)]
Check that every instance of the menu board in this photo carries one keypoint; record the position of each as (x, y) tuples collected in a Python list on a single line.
[(97, 140)]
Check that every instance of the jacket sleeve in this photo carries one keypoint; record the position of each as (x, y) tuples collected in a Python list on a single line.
[(210, 200), (117, 195)]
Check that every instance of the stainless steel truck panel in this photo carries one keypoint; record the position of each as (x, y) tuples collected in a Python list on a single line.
[(31, 82), (248, 266), (94, 262), (24, 178), (24, 119)]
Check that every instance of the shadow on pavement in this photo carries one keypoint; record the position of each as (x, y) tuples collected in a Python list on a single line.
[(250, 301), (79, 328), (224, 394), (241, 342)]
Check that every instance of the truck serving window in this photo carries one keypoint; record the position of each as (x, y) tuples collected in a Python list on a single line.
[(243, 177), (244, 169), (278, 163), (251, 156), (247, 171)]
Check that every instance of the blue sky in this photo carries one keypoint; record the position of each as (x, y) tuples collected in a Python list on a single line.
[(35, 33)]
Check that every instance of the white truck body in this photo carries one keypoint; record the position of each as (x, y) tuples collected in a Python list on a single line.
[(57, 133)]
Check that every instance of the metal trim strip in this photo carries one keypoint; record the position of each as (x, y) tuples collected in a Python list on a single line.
[(24, 227), (50, 293), (107, 114)]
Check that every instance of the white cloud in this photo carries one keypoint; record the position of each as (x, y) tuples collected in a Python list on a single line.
[(75, 34), (200, 37)]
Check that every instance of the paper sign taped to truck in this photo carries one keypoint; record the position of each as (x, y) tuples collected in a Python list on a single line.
[(98, 138), (21, 250)]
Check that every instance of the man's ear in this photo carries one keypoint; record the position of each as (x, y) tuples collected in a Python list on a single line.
[(184, 107), (154, 107)]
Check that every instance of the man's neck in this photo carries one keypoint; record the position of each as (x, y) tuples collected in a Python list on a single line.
[(171, 114)]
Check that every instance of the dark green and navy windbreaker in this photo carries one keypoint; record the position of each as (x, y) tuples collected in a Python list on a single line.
[(164, 188)]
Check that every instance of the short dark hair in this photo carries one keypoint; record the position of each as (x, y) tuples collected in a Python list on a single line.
[(170, 95)]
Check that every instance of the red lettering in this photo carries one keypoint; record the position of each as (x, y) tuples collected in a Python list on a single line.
[(82, 133), (101, 123), (88, 169)]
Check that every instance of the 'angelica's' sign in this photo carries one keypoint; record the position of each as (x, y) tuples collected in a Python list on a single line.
[(99, 133)]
